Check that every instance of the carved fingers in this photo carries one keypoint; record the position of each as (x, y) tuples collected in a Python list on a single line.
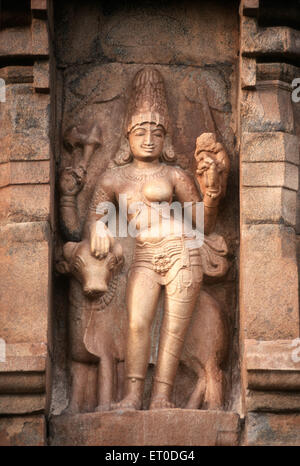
[(71, 180), (100, 239)]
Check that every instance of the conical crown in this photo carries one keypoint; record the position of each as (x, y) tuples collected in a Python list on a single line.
[(148, 100)]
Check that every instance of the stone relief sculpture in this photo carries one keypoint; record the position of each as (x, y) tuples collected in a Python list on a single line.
[(166, 259)]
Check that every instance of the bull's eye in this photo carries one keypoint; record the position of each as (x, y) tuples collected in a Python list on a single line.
[(77, 264)]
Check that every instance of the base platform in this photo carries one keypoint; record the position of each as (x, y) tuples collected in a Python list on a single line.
[(138, 428)]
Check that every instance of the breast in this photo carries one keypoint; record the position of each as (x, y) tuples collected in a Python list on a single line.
[(158, 191)]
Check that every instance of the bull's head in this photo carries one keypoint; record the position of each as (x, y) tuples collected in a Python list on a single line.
[(94, 274)]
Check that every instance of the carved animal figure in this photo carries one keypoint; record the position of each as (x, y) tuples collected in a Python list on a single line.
[(93, 315), (205, 351), (93, 360)]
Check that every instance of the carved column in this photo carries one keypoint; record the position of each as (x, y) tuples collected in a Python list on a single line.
[(269, 158), (26, 223)]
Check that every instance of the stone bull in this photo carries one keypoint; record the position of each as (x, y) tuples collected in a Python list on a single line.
[(97, 335)]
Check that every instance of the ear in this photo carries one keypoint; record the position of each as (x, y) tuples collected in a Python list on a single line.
[(62, 267), (111, 261), (69, 249)]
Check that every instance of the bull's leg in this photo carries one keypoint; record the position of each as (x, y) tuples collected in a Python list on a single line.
[(214, 386), (79, 374), (196, 399), (106, 379)]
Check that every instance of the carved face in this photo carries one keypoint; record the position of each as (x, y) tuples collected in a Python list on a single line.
[(94, 274), (147, 141)]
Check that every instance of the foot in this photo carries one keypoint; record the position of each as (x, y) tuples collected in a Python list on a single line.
[(161, 402), (103, 407), (130, 402)]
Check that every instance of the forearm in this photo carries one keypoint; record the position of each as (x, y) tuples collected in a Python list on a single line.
[(70, 222)]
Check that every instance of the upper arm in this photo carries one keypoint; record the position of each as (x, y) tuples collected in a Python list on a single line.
[(103, 192), (185, 186)]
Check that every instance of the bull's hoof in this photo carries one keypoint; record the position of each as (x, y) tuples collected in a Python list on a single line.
[(101, 408), (130, 403), (161, 402)]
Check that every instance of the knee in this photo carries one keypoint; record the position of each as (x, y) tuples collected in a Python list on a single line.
[(139, 327)]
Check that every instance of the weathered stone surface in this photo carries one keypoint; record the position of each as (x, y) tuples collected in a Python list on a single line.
[(270, 147), (269, 291), (23, 431), (25, 172), (276, 71), (17, 74), (268, 205), (272, 401), (271, 41), (11, 383), (270, 174), (39, 35), (24, 268), (15, 41), (248, 73), (162, 427), (22, 403), (172, 34), (41, 73), (271, 355), (268, 108), (273, 429), (24, 131), (18, 203)]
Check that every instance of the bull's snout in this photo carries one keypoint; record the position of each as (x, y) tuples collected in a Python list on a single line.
[(94, 290)]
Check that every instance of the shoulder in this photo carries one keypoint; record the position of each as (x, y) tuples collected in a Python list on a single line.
[(108, 179), (180, 175)]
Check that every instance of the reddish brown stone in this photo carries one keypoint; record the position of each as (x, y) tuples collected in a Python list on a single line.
[(22, 403), (273, 429), (162, 427), (23, 431), (270, 147), (270, 174), (269, 291)]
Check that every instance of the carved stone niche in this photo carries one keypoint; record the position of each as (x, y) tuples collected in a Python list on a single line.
[(145, 329)]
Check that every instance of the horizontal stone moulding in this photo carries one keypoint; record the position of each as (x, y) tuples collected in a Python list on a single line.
[(25, 232), (22, 403), (269, 174), (25, 41), (279, 41), (272, 401), (17, 74), (267, 108), (270, 147), (22, 382), (276, 71), (272, 355), (270, 429)]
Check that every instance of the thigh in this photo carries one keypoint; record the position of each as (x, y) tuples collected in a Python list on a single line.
[(142, 297)]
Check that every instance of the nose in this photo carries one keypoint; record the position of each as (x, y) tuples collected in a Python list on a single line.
[(148, 140), (93, 290)]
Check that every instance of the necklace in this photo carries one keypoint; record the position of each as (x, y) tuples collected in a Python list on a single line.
[(137, 174)]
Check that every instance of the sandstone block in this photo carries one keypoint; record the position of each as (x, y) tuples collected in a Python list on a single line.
[(277, 71), (41, 74), (273, 429), (24, 268), (39, 34), (268, 108), (22, 403), (269, 284), (15, 41), (268, 205), (18, 203), (23, 431), (248, 73), (270, 174), (270, 147), (25, 172), (272, 401), (163, 427)]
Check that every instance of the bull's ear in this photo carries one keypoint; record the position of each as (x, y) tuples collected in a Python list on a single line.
[(62, 267), (68, 249), (111, 261)]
